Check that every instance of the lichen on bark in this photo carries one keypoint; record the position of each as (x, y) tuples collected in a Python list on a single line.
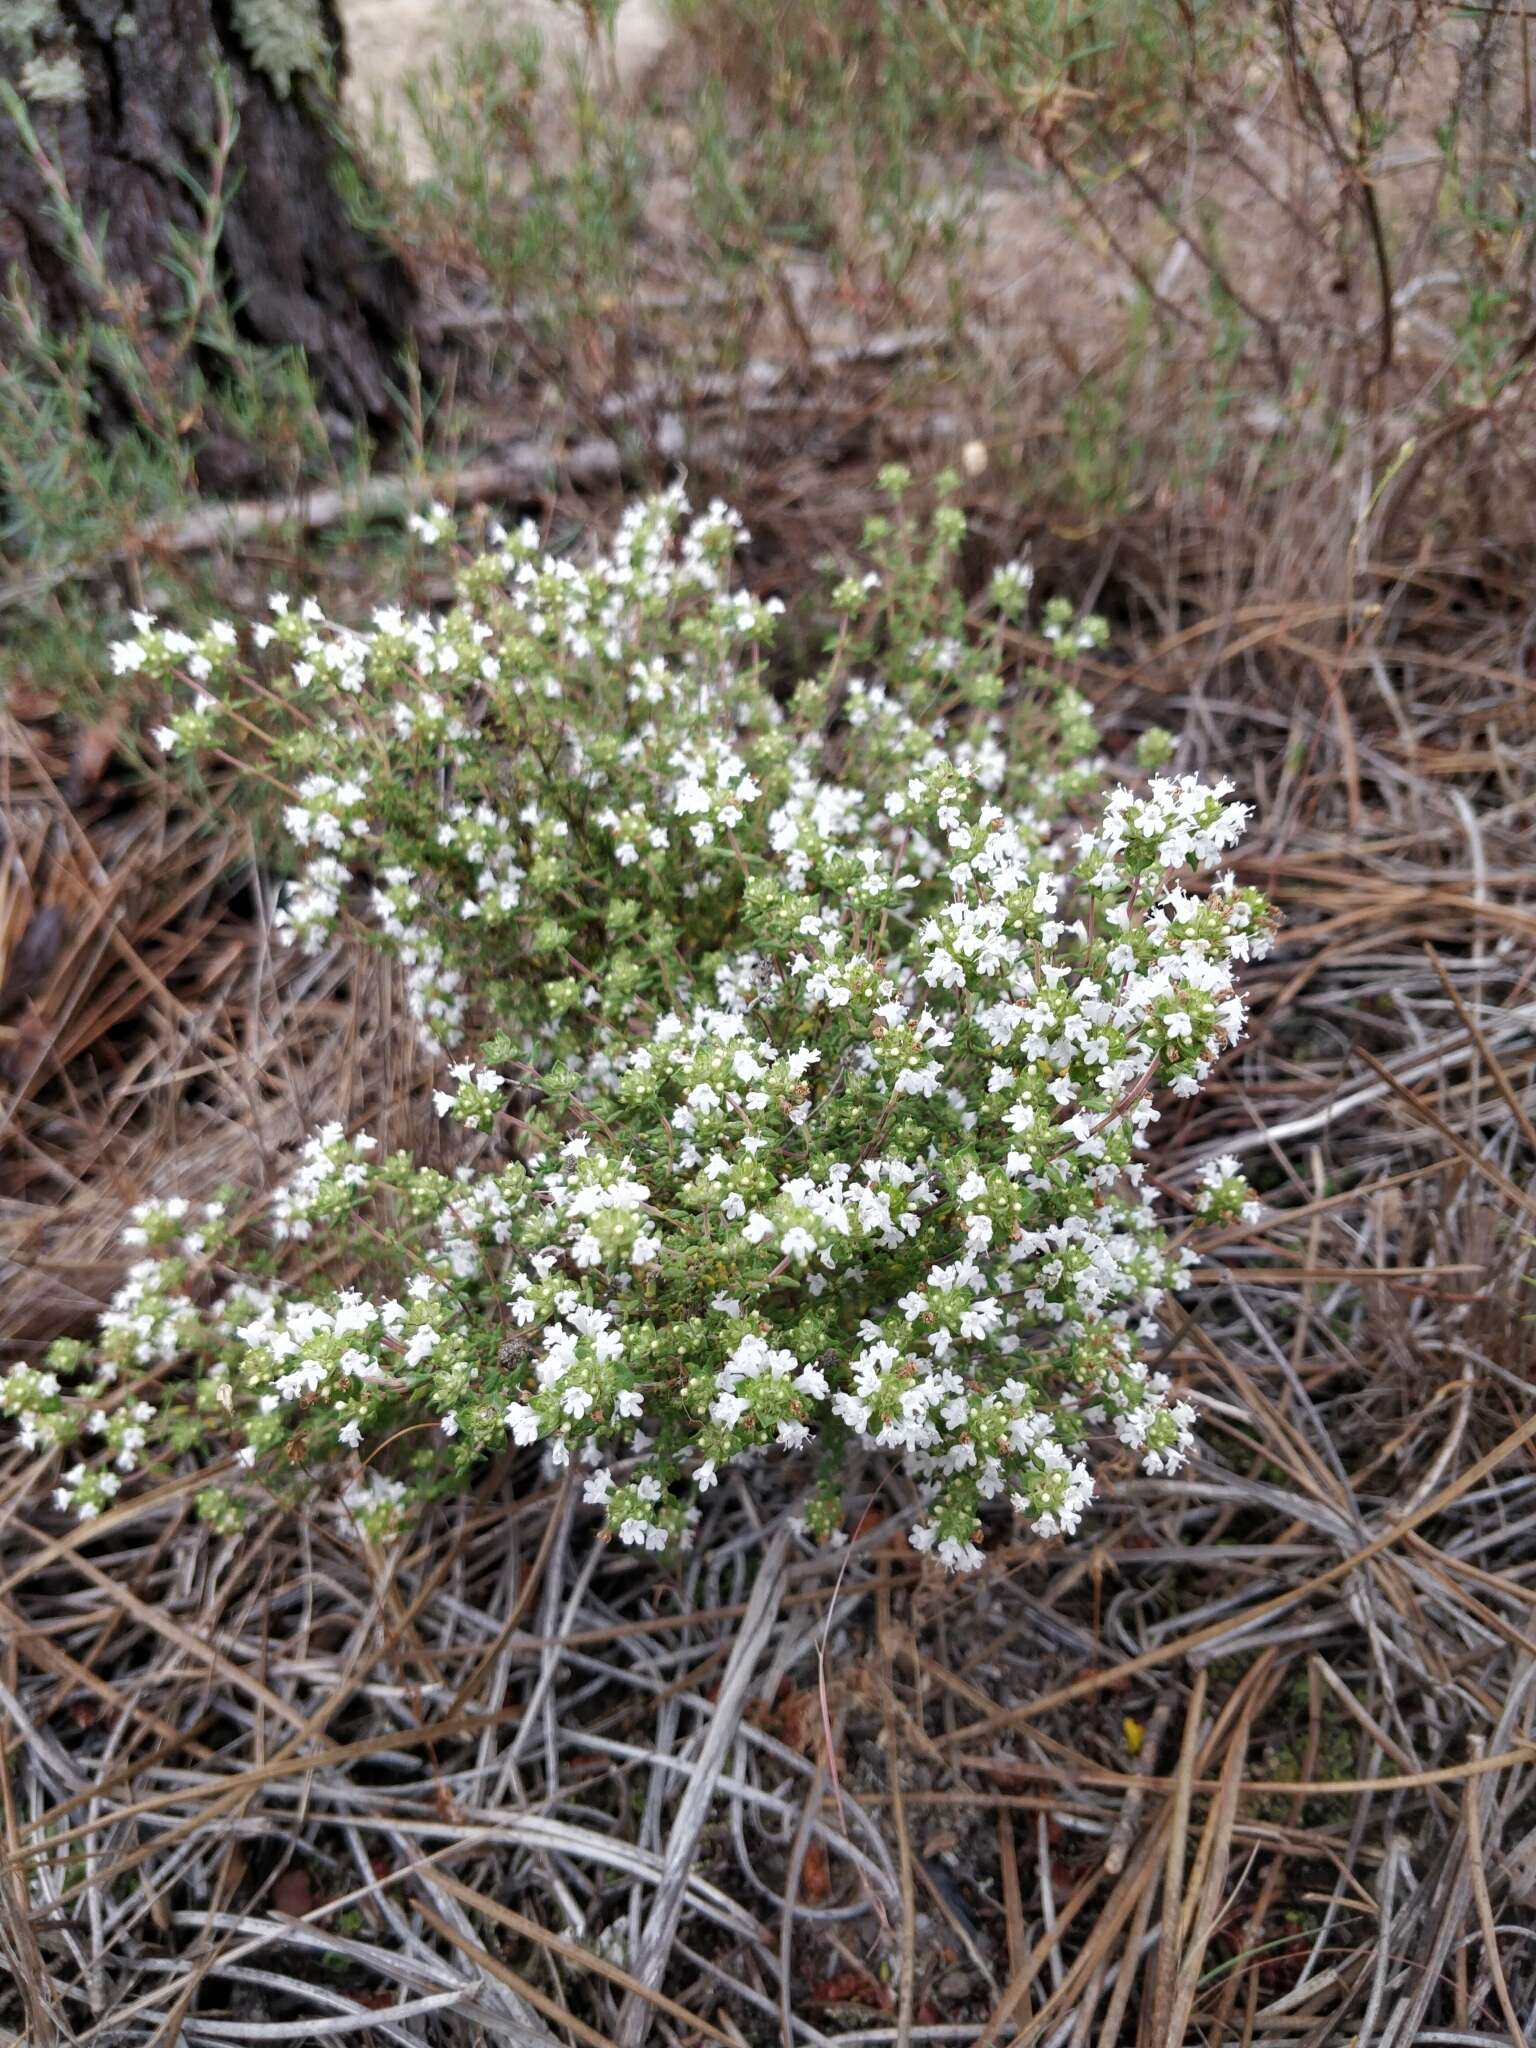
[(285, 38)]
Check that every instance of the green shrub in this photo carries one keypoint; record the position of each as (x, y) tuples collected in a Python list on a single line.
[(817, 1042)]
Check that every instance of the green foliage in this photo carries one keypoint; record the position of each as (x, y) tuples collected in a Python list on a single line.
[(818, 1046), (554, 205), (541, 218)]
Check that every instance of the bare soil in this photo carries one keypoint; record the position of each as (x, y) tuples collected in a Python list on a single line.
[(390, 41)]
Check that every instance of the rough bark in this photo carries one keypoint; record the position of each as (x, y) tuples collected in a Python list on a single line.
[(122, 95)]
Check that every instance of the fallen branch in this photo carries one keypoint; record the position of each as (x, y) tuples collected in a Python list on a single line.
[(527, 468)]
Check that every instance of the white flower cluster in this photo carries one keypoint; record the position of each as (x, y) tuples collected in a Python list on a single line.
[(331, 1175), (1223, 1194), (819, 1045), (476, 1099)]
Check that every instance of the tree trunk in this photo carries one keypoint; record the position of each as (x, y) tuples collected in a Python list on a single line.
[(126, 101)]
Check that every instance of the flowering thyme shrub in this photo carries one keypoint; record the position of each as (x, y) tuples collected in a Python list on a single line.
[(796, 1055)]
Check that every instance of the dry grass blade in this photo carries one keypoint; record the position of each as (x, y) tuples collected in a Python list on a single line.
[(1211, 1867), (1472, 1808), (1197, 1639), (661, 1925), (579, 1958), (1176, 1909), (493, 1966)]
